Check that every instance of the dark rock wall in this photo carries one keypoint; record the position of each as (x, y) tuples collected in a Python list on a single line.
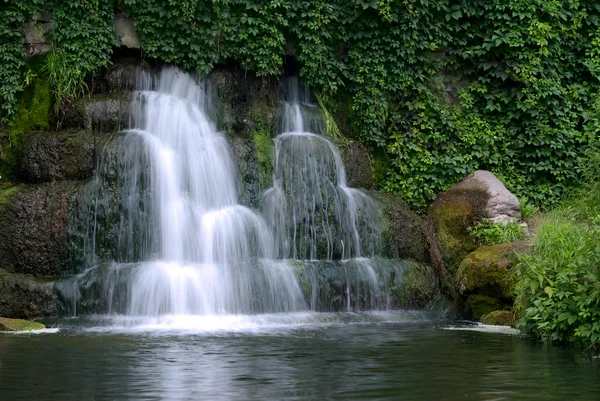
[(33, 230), (60, 156)]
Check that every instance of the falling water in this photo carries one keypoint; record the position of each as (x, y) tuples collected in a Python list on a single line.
[(313, 213), (166, 235), (198, 250)]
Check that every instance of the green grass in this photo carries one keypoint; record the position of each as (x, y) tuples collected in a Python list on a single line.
[(488, 233)]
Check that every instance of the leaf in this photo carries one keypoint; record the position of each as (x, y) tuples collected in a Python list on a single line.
[(563, 316)]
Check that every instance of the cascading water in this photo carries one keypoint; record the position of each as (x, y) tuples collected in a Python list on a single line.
[(313, 213), (202, 252), (166, 235)]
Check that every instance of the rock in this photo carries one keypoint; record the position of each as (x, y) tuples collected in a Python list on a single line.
[(57, 156), (481, 305), (35, 37), (496, 203), (498, 318), (244, 155), (489, 271), (33, 229), (243, 103), (19, 325), (480, 196), (419, 287), (24, 297), (125, 30), (105, 113), (406, 235), (121, 77), (357, 162)]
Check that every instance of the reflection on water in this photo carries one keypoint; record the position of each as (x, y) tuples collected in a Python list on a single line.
[(292, 357)]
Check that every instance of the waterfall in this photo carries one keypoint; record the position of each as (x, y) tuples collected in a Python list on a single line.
[(311, 210), (166, 235), (202, 252)]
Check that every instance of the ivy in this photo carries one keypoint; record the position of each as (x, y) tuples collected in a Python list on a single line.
[(436, 88)]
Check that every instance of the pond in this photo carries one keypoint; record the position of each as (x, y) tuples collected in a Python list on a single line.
[(299, 356)]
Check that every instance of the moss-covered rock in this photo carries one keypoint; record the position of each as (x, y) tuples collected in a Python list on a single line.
[(481, 196), (481, 305), (238, 95), (7, 192), (498, 318), (57, 156), (33, 113), (244, 153), (357, 162), (453, 213), (7, 324), (33, 229), (489, 271), (23, 296)]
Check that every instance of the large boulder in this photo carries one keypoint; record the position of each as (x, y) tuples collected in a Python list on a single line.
[(57, 156), (479, 197), (26, 297), (488, 197), (33, 229)]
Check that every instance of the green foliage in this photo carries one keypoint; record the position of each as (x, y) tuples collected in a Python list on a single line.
[(13, 15), (33, 113), (82, 43), (436, 88), (488, 233), (559, 293), (528, 209)]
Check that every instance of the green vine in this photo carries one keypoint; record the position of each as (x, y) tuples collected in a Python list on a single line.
[(435, 88)]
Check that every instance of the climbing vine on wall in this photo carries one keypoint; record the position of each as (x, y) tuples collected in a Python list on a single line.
[(435, 88)]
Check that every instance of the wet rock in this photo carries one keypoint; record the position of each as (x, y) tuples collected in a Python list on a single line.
[(244, 154), (243, 102), (498, 318), (357, 162), (33, 229), (7, 324), (57, 156), (24, 297), (36, 33)]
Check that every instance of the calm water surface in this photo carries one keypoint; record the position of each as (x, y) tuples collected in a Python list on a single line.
[(287, 357)]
